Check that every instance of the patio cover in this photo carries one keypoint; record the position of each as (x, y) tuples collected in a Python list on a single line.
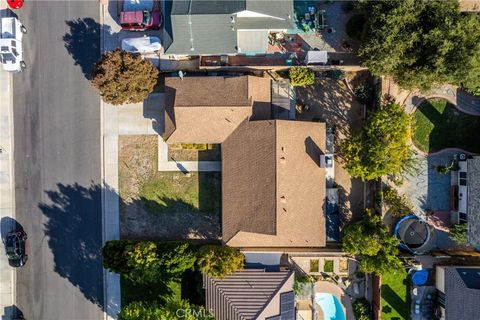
[(254, 41), (317, 57)]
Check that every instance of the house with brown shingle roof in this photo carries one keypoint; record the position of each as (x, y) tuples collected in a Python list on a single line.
[(273, 182), (208, 109), (273, 186)]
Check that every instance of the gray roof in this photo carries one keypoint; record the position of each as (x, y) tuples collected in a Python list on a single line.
[(473, 198), (462, 293), (248, 294), (208, 27)]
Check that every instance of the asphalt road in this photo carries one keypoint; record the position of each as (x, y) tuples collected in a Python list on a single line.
[(57, 162)]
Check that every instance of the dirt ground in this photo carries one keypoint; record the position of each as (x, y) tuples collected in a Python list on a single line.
[(332, 102), (137, 164)]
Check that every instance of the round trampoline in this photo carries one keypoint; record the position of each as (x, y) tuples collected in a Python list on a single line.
[(414, 234)]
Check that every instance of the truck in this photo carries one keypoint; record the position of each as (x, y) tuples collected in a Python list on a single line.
[(11, 50), (140, 15)]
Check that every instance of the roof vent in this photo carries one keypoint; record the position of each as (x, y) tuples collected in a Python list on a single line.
[(283, 199), (283, 149), (283, 160), (232, 19)]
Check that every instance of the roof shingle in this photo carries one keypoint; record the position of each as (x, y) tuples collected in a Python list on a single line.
[(273, 189), (208, 109)]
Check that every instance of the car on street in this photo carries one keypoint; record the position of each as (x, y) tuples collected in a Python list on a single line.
[(143, 44), (11, 49), (15, 248), (15, 4)]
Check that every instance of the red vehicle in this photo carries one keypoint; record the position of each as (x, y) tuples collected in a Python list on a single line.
[(15, 4), (140, 20)]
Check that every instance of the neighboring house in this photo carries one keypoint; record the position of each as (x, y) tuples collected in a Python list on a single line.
[(206, 27), (468, 204), (208, 109), (458, 292), (251, 294), (273, 185)]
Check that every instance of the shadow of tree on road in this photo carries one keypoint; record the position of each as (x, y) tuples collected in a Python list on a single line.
[(74, 229), (83, 42)]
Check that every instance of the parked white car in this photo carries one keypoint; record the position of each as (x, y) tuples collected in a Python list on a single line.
[(11, 50), (141, 44)]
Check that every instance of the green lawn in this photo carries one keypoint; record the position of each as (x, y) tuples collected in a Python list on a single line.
[(439, 125), (177, 192), (395, 296)]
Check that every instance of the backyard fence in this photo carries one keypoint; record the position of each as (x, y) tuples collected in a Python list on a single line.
[(376, 293)]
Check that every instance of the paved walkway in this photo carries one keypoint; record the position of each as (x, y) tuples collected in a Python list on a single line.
[(464, 101), (7, 196), (111, 216)]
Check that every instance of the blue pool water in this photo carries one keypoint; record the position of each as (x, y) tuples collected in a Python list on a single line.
[(331, 307)]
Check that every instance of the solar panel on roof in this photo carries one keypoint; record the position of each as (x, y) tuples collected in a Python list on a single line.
[(287, 306)]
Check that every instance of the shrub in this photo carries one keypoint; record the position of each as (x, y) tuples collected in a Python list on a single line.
[(338, 75), (459, 233), (362, 309), (300, 281), (355, 26), (301, 76), (371, 241), (169, 311), (398, 205), (328, 266), (123, 77), (147, 261), (114, 258), (364, 93), (218, 262)]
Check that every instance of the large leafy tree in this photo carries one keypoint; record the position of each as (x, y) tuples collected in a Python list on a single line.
[(381, 146), (372, 243), (422, 43), (123, 77), (219, 262), (171, 309), (147, 261)]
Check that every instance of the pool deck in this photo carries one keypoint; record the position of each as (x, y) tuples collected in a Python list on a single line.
[(329, 287)]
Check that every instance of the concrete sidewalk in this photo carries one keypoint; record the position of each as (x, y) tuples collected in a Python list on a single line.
[(110, 198), (7, 193)]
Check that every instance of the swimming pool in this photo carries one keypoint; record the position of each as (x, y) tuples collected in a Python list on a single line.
[(331, 307)]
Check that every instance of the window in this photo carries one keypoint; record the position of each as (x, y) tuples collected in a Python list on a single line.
[(146, 17)]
